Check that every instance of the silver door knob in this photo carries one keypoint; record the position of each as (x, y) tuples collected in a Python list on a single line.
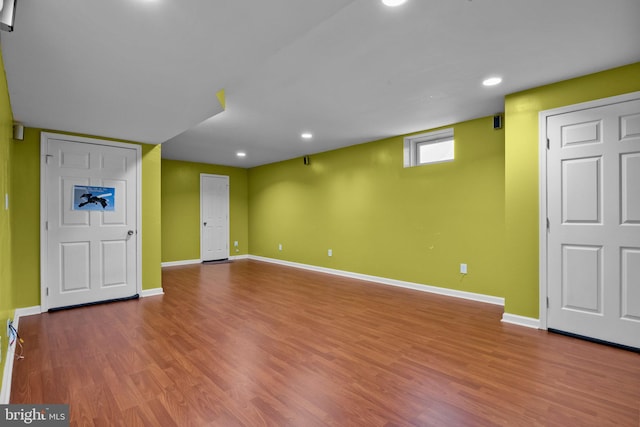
[(130, 233)]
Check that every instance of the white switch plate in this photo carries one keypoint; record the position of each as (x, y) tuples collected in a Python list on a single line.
[(463, 268), (330, 252), (280, 247), (235, 243)]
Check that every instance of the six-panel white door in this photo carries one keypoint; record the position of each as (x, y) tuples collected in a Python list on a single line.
[(593, 204), (91, 255), (214, 212)]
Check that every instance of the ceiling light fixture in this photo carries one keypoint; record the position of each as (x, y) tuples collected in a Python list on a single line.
[(306, 135), (241, 154), (393, 3), (492, 81)]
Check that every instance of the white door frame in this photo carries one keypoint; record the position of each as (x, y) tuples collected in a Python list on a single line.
[(44, 254), (203, 175), (542, 156)]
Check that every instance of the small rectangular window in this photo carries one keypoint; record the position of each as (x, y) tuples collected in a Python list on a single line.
[(435, 151), (426, 148)]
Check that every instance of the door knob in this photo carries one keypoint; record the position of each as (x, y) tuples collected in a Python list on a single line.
[(205, 224), (130, 233)]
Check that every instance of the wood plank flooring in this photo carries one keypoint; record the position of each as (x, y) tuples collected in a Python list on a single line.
[(255, 344)]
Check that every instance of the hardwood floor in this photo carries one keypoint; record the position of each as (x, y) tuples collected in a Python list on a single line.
[(252, 344)]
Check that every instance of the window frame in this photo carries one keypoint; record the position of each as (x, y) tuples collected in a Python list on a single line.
[(412, 144)]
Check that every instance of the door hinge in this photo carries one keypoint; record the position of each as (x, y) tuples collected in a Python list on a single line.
[(548, 225), (46, 158), (547, 302), (548, 143), (46, 225), (47, 291)]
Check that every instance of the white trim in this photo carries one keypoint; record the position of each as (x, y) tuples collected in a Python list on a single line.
[(151, 292), (7, 375), (197, 261), (24, 312), (184, 262), (542, 183), (44, 138), (391, 282), (228, 230), (542, 221), (514, 319)]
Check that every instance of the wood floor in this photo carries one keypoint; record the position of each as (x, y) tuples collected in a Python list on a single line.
[(252, 344)]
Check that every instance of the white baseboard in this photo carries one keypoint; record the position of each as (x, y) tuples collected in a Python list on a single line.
[(515, 319), (391, 282), (5, 393), (24, 312), (151, 292), (184, 262), (198, 261)]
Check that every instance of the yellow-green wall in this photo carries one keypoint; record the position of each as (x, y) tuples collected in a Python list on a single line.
[(521, 173), (25, 180), (181, 209), (6, 290), (412, 224)]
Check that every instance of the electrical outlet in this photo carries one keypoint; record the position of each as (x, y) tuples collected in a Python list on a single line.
[(330, 252), (463, 268), (280, 246), (235, 243)]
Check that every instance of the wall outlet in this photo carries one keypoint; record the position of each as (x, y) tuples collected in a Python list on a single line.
[(280, 246), (235, 243), (330, 252), (463, 268)]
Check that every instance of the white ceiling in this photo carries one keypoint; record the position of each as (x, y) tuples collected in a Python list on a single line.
[(349, 71)]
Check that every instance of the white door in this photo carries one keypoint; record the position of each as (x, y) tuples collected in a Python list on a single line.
[(593, 208), (90, 222), (214, 214)]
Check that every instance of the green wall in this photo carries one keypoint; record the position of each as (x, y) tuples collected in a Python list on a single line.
[(181, 208), (26, 180), (6, 290), (412, 224), (521, 173)]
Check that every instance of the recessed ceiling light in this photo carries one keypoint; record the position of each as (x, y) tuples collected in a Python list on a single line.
[(306, 135), (241, 154), (492, 81), (393, 3)]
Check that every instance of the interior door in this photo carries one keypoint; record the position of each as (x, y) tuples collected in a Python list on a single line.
[(593, 207), (214, 213), (90, 222)]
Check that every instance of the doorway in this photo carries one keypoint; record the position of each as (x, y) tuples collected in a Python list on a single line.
[(214, 217), (90, 216), (590, 220)]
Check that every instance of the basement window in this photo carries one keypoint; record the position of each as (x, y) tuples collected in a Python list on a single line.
[(427, 148)]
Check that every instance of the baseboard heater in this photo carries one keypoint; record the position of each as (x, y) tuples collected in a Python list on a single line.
[(87, 304), (595, 340)]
